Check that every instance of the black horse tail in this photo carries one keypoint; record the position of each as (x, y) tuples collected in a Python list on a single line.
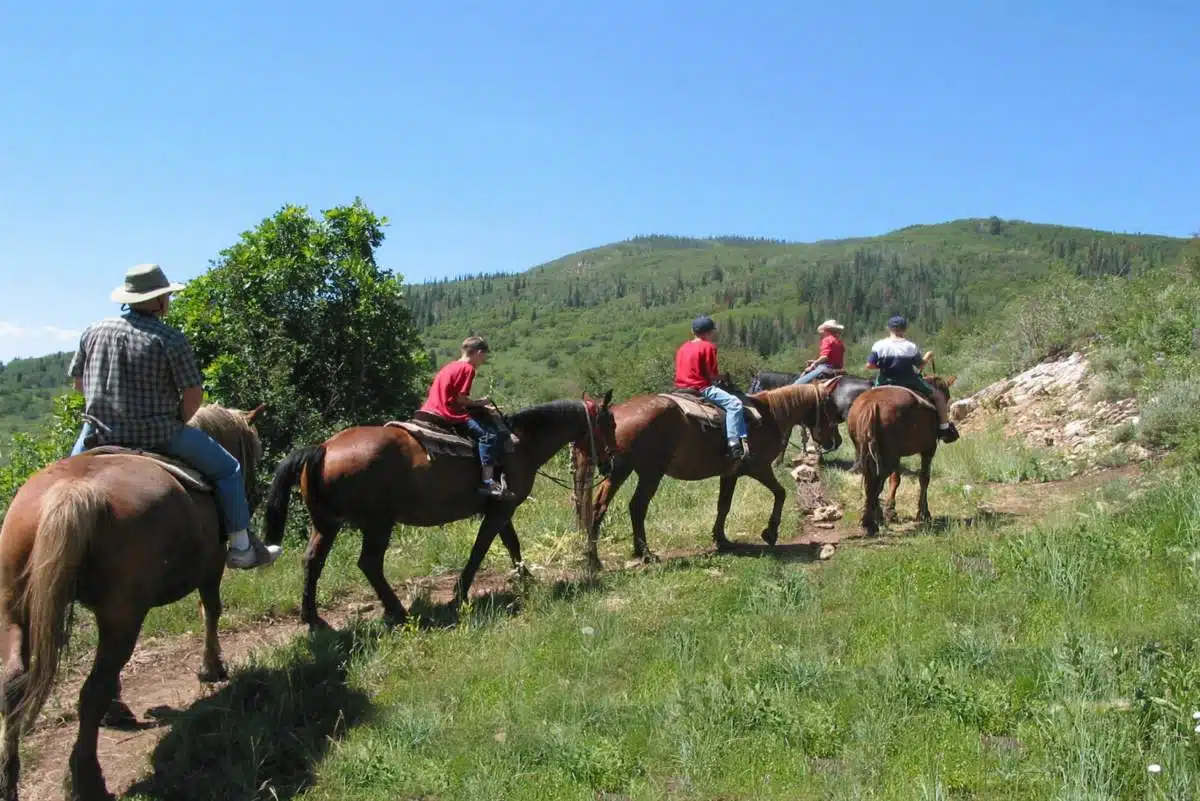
[(308, 462)]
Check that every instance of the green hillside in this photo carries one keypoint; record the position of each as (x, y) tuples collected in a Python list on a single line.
[(27, 391), (611, 316)]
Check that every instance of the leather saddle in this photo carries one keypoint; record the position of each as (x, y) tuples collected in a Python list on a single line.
[(190, 477)]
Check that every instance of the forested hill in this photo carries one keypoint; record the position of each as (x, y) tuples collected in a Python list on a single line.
[(612, 315), (27, 390)]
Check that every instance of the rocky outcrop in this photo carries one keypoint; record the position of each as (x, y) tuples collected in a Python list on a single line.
[(1050, 406)]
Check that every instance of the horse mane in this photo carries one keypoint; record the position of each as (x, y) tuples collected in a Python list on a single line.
[(230, 428), (551, 413), (785, 401)]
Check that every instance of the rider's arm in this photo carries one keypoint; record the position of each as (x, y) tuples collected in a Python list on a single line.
[(192, 398)]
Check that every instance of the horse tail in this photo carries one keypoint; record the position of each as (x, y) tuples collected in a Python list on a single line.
[(307, 462), (874, 437), (73, 512)]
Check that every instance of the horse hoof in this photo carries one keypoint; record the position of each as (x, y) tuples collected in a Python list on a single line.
[(722, 543), (520, 571), (649, 558), (119, 716), (592, 564), (218, 674), (770, 536), (318, 624)]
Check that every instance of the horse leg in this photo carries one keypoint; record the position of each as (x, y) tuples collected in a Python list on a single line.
[(639, 504), (787, 440), (488, 529), (375, 539), (508, 535), (766, 477), (16, 663), (213, 669), (320, 541), (889, 508), (608, 488), (872, 485), (117, 638), (724, 501), (923, 502)]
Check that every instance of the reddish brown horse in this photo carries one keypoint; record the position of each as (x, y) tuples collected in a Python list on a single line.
[(374, 477), (887, 423), (656, 439), (120, 534)]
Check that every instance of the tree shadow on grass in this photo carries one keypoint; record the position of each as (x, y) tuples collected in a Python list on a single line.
[(265, 732)]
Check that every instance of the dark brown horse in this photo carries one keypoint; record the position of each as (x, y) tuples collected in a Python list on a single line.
[(374, 477), (887, 423), (656, 439), (120, 534)]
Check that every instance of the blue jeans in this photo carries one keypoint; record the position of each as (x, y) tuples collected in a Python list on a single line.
[(486, 439), (813, 374), (205, 454), (735, 419)]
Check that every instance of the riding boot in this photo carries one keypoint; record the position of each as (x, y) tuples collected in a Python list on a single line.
[(736, 450), (256, 554), (948, 434)]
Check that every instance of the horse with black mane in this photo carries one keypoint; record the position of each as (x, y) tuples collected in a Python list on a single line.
[(680, 435), (847, 389), (374, 477)]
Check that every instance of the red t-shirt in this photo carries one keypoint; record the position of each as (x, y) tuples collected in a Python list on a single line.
[(834, 351), (695, 361), (452, 380)]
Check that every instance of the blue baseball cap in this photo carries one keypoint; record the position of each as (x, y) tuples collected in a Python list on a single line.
[(703, 324), (897, 322)]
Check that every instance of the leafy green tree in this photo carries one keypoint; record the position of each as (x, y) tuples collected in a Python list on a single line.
[(300, 316), (29, 452)]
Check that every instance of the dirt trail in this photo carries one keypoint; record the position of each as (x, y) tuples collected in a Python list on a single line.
[(161, 674)]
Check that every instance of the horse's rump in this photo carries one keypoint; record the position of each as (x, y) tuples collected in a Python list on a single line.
[(705, 412), (190, 477)]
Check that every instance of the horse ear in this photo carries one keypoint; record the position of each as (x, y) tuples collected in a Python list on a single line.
[(255, 412), (607, 399)]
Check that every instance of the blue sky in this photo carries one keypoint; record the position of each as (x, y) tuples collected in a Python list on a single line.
[(500, 135)]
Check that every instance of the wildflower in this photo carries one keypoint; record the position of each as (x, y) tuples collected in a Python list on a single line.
[(587, 631), (1196, 715), (1154, 768)]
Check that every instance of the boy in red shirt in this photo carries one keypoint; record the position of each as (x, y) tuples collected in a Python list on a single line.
[(831, 356), (696, 368), (448, 400)]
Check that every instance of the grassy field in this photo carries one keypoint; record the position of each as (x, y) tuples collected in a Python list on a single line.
[(981, 658)]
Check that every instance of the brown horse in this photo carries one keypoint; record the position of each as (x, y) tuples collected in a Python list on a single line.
[(120, 534), (655, 439), (885, 424), (374, 477)]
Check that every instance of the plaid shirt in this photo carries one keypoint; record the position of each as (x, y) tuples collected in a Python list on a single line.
[(134, 370)]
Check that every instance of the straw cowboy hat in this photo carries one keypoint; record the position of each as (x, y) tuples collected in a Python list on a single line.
[(831, 325), (144, 282)]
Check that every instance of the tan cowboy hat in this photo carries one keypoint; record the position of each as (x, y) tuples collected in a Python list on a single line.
[(144, 282), (830, 324)]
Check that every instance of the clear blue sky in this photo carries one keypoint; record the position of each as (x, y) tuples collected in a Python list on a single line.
[(501, 135)]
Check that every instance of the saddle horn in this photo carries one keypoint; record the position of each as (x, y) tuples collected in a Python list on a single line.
[(255, 412)]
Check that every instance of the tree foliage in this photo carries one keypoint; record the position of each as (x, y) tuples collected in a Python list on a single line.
[(300, 316)]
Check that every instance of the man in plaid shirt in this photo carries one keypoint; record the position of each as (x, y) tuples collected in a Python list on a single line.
[(141, 384)]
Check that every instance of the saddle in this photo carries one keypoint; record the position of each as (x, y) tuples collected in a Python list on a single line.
[(189, 477), (708, 414), (921, 399), (441, 439)]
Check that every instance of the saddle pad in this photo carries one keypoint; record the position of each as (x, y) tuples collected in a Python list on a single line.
[(921, 399), (190, 477), (434, 441), (707, 412)]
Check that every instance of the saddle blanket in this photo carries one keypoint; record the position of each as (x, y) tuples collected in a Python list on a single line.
[(190, 477), (705, 411), (436, 441)]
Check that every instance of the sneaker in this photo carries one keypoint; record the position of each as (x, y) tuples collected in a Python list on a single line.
[(736, 450), (257, 555), (948, 434), (496, 490)]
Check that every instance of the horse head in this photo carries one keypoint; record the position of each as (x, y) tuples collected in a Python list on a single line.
[(603, 434)]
